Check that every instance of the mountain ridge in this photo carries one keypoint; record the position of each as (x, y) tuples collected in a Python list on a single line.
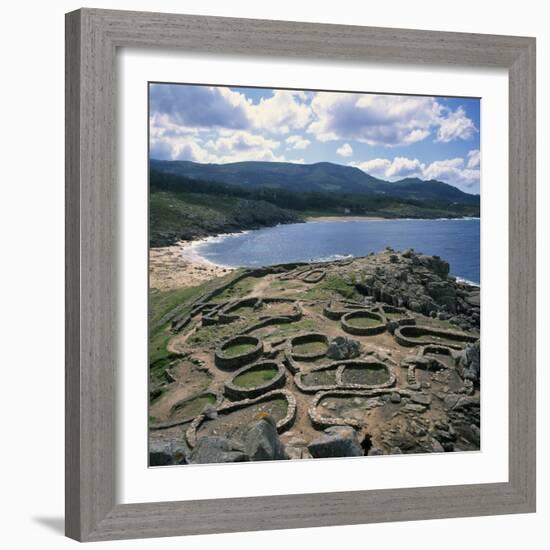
[(317, 177)]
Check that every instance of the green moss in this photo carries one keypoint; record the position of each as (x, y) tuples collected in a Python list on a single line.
[(255, 377)]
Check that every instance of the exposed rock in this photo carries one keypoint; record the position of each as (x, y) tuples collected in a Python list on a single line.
[(215, 449), (343, 348), (336, 441), (469, 362), (262, 441), (414, 408), (376, 451), (421, 398), (166, 454), (435, 264), (395, 397)]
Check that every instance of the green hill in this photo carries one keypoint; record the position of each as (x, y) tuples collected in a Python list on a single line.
[(321, 177), (186, 208)]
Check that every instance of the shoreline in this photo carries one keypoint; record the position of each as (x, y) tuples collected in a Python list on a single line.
[(345, 219), (178, 266), (313, 219)]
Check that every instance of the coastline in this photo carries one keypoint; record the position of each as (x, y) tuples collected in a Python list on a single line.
[(344, 219), (312, 219), (178, 266)]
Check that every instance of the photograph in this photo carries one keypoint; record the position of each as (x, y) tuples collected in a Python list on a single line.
[(314, 274)]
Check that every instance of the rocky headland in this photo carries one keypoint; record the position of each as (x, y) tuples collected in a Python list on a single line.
[(358, 357)]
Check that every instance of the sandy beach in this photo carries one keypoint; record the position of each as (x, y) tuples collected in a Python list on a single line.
[(177, 266), (344, 218)]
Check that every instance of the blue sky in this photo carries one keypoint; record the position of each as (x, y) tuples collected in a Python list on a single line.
[(387, 136)]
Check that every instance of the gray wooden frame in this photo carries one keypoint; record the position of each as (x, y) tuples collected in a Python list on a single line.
[(92, 39)]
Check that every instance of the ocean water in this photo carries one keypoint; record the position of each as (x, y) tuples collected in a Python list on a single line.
[(456, 241)]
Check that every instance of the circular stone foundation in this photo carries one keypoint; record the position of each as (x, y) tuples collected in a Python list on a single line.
[(254, 380), (308, 347), (238, 352), (317, 379), (427, 336), (364, 375), (363, 323), (314, 276), (253, 407)]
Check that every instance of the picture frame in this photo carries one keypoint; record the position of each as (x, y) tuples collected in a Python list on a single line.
[(92, 39)]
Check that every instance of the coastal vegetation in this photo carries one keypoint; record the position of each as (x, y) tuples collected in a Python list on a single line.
[(184, 207)]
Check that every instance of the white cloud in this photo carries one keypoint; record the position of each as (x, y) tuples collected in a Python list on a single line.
[(386, 120), (474, 158), (345, 150), (297, 142), (198, 106), (225, 146), (378, 120), (206, 108), (398, 168), (241, 141), (282, 112), (241, 145), (452, 171), (456, 125)]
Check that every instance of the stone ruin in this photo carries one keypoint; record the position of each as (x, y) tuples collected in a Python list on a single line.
[(307, 372)]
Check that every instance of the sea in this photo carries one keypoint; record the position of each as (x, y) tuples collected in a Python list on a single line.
[(455, 240)]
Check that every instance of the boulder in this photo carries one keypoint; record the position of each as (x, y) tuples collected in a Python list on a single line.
[(336, 441), (435, 264), (343, 348), (162, 453), (215, 449), (376, 451), (421, 398), (414, 408), (395, 397), (469, 362), (262, 441)]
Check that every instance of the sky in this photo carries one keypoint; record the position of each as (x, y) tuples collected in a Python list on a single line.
[(387, 136)]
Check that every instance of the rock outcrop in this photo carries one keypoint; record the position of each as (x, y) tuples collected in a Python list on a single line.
[(336, 441), (343, 348), (422, 284)]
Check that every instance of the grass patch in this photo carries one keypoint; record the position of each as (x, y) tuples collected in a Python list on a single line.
[(195, 406), (310, 348), (238, 349), (330, 286), (162, 304), (244, 311), (369, 375), (320, 378), (363, 322), (303, 325), (238, 290), (214, 334), (255, 377), (395, 316)]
